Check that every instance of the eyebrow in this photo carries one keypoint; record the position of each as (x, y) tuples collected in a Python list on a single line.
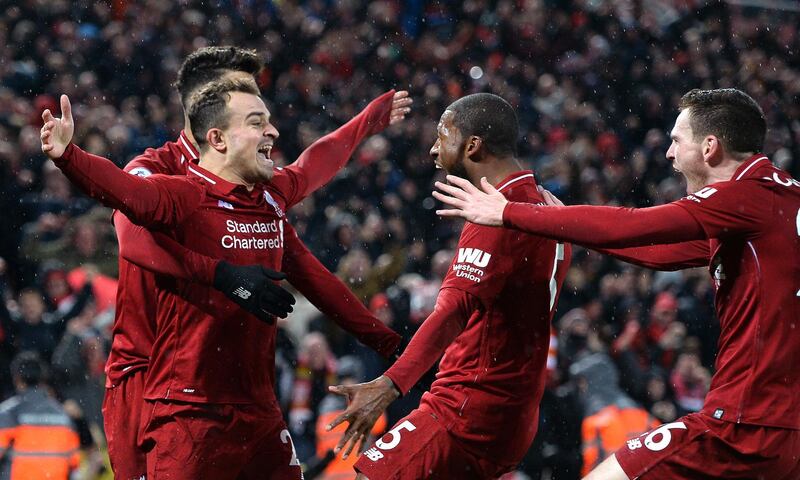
[(258, 114)]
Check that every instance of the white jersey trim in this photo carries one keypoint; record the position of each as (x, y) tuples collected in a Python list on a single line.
[(500, 189), (750, 166), (188, 147), (212, 182)]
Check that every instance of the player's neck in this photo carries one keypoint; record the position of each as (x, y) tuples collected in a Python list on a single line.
[(495, 170), (724, 171), (187, 130), (216, 164)]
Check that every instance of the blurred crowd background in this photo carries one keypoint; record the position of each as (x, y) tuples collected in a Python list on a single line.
[(595, 84)]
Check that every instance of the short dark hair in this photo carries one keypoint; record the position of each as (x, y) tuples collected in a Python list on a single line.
[(489, 117), (208, 107), (210, 63), (29, 368), (729, 114)]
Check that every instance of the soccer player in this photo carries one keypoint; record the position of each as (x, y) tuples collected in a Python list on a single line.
[(143, 252), (212, 411), (747, 211), (491, 321)]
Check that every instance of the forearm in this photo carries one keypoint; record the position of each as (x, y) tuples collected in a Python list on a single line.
[(449, 317), (161, 254), (335, 300), (605, 227), (325, 157), (144, 201), (675, 256)]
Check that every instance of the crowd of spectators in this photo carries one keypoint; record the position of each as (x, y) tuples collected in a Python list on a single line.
[(595, 84)]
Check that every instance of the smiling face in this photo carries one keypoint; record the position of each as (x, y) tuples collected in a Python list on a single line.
[(686, 153), (448, 150), (249, 138)]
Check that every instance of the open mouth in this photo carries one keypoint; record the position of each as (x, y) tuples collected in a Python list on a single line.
[(265, 150)]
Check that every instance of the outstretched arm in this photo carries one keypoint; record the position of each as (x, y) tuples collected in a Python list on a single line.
[(368, 400), (333, 298), (591, 226), (147, 201), (673, 256), (323, 159)]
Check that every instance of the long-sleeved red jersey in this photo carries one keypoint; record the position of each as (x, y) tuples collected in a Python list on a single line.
[(492, 322), (752, 226), (134, 325)]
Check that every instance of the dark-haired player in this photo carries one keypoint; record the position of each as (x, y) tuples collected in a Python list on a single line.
[(748, 212), (143, 252), (491, 321), (212, 411)]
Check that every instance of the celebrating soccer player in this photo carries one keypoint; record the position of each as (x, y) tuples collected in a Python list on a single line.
[(144, 253), (491, 321), (747, 212), (212, 366)]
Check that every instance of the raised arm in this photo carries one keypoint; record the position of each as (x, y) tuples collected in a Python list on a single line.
[(147, 201), (323, 159), (591, 226), (333, 298)]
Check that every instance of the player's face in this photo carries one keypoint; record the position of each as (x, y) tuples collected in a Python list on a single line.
[(448, 150), (686, 154), (250, 137)]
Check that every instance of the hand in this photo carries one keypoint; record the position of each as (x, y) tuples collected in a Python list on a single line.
[(549, 199), (484, 206), (366, 403), (253, 288), (57, 132), (401, 105)]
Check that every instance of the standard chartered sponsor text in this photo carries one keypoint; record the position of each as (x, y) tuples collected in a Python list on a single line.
[(250, 243)]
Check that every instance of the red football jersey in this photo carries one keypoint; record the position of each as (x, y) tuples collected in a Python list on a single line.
[(492, 376), (753, 221), (207, 349), (134, 325)]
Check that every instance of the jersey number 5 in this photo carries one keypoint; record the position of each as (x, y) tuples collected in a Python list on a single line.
[(395, 433)]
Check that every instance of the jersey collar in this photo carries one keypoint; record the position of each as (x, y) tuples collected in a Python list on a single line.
[(188, 150), (516, 178), (749, 166), (217, 184)]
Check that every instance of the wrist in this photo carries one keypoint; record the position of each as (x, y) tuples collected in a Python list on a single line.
[(390, 386)]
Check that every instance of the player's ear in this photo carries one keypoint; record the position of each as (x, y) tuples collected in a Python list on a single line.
[(712, 150), (474, 148), (216, 139)]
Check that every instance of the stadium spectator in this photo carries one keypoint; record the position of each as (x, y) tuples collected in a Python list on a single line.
[(37, 437)]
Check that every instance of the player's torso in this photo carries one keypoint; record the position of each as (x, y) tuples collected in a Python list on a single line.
[(758, 303), (135, 315), (207, 347), (493, 374)]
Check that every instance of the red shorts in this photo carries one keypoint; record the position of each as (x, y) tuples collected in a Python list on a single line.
[(418, 446), (122, 410), (217, 442), (698, 446)]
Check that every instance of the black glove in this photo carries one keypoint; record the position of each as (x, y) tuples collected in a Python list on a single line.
[(253, 289)]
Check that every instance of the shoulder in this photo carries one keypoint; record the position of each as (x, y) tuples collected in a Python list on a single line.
[(166, 159)]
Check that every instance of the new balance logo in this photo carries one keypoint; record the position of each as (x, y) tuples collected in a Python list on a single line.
[(479, 258), (373, 454), (242, 293)]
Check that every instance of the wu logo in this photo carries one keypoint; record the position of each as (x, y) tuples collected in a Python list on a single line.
[(242, 293), (479, 258)]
